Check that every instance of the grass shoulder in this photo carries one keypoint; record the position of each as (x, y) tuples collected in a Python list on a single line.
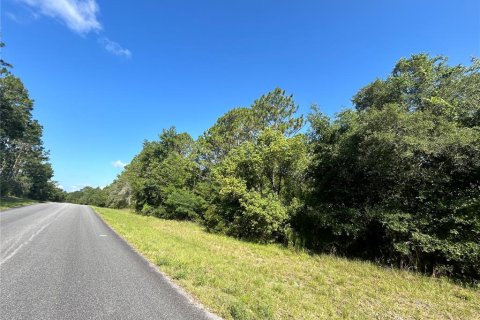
[(242, 280), (13, 202)]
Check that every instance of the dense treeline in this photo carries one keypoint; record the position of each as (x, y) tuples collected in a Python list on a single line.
[(88, 195), (24, 167), (396, 180)]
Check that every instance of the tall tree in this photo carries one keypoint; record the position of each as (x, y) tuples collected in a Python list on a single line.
[(259, 186), (163, 174), (427, 84), (274, 110), (24, 167), (278, 111)]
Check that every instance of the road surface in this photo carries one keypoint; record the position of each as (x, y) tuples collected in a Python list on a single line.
[(60, 261)]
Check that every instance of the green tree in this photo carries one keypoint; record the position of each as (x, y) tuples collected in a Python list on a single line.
[(278, 111), (165, 173), (258, 183), (231, 130), (427, 84), (24, 167), (119, 192), (89, 196), (399, 178), (274, 110)]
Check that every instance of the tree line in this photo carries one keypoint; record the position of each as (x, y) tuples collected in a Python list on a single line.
[(396, 179), (25, 170)]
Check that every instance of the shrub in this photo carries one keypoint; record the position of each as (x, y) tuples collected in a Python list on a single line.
[(260, 218), (184, 205)]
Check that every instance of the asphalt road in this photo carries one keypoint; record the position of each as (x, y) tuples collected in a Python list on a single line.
[(60, 261)]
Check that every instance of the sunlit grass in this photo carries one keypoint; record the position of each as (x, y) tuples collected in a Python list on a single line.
[(12, 202), (242, 280)]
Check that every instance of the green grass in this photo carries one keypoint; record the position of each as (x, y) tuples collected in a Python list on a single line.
[(241, 280), (12, 202)]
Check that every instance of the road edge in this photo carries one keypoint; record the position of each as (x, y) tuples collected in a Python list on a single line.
[(209, 314), (23, 206)]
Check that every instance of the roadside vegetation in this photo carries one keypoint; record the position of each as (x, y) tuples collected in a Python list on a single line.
[(396, 180), (245, 280), (13, 202), (25, 170)]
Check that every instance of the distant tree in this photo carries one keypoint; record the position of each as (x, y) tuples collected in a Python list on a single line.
[(89, 196)]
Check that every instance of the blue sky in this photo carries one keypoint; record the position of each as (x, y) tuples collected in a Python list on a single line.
[(105, 75)]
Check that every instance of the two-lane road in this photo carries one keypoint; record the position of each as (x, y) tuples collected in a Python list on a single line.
[(60, 261)]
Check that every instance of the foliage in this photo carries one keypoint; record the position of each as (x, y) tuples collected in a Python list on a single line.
[(274, 110), (257, 183), (231, 130), (183, 204), (88, 195), (119, 192), (398, 179), (163, 175), (24, 167), (278, 111)]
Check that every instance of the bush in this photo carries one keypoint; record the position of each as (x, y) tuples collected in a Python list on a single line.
[(184, 205), (260, 218)]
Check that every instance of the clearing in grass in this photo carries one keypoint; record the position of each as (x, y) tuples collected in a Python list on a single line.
[(242, 280)]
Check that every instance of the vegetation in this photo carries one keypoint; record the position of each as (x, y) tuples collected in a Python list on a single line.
[(395, 180), (245, 280), (24, 167), (398, 179), (12, 202), (87, 195)]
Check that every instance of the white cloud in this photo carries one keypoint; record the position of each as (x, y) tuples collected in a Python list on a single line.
[(118, 164), (79, 15), (114, 48)]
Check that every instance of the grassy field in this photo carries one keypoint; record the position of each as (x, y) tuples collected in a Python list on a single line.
[(11, 202), (240, 280)]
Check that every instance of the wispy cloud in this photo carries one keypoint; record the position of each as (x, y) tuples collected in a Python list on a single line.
[(11, 16), (114, 48), (118, 164), (80, 16)]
